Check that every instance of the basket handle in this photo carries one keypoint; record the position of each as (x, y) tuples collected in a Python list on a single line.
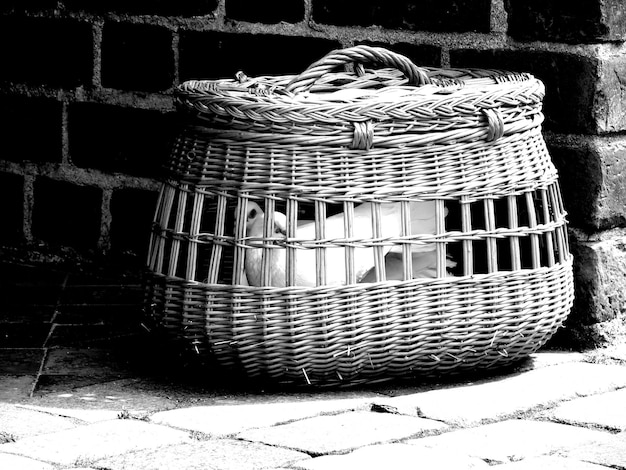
[(359, 54)]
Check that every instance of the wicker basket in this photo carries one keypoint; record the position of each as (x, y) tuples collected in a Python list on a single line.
[(352, 225)]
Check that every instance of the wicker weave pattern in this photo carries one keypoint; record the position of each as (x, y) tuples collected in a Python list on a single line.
[(362, 333), (306, 168), (463, 146)]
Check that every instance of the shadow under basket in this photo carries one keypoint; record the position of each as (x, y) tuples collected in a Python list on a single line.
[(352, 227)]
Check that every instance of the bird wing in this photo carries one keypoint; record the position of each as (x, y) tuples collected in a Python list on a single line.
[(422, 222)]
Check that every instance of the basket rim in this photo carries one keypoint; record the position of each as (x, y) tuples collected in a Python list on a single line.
[(396, 77), (374, 86)]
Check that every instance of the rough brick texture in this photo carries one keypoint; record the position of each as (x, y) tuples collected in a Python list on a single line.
[(566, 20), (137, 57), (67, 214), (275, 11), (596, 164), (218, 55), (422, 55), (30, 129), (609, 111), (11, 207), (429, 15), (599, 312), (117, 139), (46, 52), (132, 211), (145, 7)]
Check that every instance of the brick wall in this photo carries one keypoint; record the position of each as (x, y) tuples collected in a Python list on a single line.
[(85, 89)]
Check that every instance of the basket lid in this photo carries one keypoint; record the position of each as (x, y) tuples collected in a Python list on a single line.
[(322, 100)]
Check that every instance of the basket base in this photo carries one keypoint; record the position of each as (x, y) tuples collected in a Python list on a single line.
[(366, 333)]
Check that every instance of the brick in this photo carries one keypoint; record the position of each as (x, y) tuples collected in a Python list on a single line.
[(137, 57), (470, 404), (590, 170), (116, 139), (600, 295), (66, 214), (275, 11), (570, 81), (95, 441), (430, 15), (145, 7), (609, 110), (226, 419), (46, 52), (566, 21), (606, 410), (229, 53), (223, 454), (396, 456), (30, 129), (511, 440), (340, 433), (132, 211), (421, 54), (11, 207)]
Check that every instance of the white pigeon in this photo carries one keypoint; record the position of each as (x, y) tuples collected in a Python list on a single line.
[(422, 221), (424, 265)]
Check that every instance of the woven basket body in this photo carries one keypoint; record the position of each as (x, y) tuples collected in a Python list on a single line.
[(341, 227)]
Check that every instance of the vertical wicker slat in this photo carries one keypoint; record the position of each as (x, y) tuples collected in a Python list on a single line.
[(333, 228)]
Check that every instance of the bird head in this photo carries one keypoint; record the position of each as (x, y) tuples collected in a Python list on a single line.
[(255, 217)]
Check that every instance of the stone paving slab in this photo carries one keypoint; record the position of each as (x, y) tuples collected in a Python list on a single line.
[(222, 454), (16, 388), (613, 353), (392, 456), (19, 422), (498, 398), (553, 358), (340, 433), (82, 362), (16, 462), (88, 416), (548, 463), (512, 440), (607, 410), (132, 395), (95, 441), (608, 452), (20, 362), (224, 420)]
